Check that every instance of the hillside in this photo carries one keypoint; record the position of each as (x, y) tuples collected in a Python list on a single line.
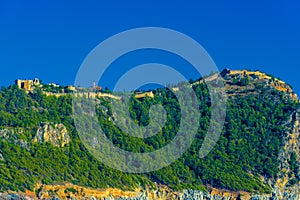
[(257, 155)]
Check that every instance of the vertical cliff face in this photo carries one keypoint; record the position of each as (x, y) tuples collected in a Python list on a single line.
[(287, 185)]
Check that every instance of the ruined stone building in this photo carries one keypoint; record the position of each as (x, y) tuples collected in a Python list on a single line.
[(27, 85)]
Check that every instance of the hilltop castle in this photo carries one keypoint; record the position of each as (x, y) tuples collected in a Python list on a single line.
[(27, 85), (271, 81)]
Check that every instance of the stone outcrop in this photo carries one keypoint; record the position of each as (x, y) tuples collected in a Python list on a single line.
[(27, 195), (55, 134)]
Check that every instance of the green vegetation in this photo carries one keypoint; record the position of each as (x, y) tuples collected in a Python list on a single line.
[(248, 146), (295, 168), (242, 81), (71, 190)]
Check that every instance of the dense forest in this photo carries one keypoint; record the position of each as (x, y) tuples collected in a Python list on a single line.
[(247, 149)]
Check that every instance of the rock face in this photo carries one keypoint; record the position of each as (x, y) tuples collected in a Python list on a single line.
[(287, 185), (55, 134)]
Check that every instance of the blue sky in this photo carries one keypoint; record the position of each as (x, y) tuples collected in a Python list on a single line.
[(50, 39)]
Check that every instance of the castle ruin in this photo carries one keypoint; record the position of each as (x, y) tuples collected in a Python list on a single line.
[(27, 85)]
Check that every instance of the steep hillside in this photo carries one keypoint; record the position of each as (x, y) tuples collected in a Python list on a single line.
[(257, 155)]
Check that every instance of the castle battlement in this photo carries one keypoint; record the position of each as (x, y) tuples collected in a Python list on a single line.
[(261, 75), (145, 94), (275, 83)]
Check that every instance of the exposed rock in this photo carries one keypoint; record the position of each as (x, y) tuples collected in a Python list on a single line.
[(55, 134), (282, 187), (15, 196), (161, 193), (69, 191)]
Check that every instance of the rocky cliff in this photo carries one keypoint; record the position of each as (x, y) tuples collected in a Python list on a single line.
[(287, 185), (55, 134)]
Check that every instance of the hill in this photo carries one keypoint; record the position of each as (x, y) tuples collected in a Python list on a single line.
[(257, 155)]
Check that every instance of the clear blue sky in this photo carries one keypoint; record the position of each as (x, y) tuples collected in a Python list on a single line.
[(50, 39)]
